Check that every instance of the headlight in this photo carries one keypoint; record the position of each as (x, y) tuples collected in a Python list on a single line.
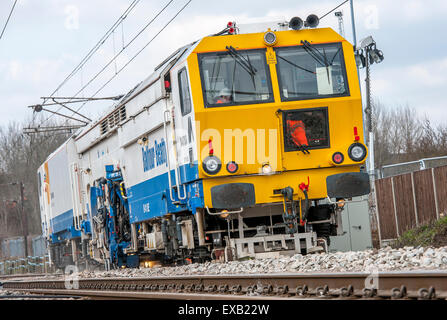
[(211, 165), (270, 38), (357, 152), (266, 169)]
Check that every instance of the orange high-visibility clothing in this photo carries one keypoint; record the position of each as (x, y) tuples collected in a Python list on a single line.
[(298, 132)]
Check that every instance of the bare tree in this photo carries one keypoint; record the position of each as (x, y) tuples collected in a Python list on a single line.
[(401, 135), (20, 156), (410, 128)]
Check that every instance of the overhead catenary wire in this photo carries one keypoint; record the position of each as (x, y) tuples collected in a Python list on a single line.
[(333, 9), (144, 47), (99, 44), (92, 51), (126, 46), (7, 20), (119, 53)]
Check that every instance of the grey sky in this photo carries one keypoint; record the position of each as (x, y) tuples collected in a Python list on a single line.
[(46, 39)]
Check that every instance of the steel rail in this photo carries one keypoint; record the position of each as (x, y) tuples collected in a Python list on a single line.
[(382, 285), (23, 275), (33, 296)]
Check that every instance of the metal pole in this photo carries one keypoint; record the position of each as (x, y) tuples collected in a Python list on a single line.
[(354, 36), (368, 91), (369, 115), (353, 23), (24, 218)]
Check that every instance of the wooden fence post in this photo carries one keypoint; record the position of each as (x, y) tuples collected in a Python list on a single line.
[(377, 214), (414, 200), (435, 192), (394, 205)]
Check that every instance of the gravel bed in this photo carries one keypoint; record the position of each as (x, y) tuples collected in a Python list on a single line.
[(385, 259)]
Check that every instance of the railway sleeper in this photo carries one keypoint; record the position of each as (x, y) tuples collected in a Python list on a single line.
[(427, 294), (399, 293), (200, 288), (251, 289), (212, 288), (282, 290), (179, 287), (223, 288), (302, 290), (236, 289)]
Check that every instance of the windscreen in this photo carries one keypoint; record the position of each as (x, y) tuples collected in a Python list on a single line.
[(235, 78), (311, 71)]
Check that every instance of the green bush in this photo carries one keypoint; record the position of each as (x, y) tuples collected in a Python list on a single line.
[(424, 235)]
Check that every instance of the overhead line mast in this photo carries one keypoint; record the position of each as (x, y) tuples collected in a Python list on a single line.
[(85, 120)]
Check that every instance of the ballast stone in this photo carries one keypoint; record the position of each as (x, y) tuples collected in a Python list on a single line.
[(385, 259)]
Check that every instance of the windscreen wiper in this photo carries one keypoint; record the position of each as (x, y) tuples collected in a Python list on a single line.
[(295, 65), (308, 46), (244, 63), (332, 61), (303, 148), (315, 53)]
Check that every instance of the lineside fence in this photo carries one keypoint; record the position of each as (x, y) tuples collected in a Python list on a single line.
[(409, 200), (25, 265), (14, 261)]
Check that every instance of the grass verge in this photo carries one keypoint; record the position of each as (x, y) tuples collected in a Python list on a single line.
[(433, 234)]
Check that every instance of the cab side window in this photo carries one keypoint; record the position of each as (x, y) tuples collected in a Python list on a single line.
[(185, 95)]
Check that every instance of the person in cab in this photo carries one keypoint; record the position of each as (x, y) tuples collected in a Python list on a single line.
[(224, 96)]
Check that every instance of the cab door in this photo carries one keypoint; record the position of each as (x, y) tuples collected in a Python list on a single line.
[(184, 124)]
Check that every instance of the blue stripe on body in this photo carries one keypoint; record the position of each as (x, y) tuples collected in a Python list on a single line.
[(63, 227), (63, 221), (151, 198)]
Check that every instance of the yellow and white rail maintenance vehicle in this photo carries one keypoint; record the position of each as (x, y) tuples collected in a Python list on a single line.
[(231, 148)]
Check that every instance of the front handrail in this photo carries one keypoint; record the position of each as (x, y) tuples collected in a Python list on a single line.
[(169, 165), (222, 212)]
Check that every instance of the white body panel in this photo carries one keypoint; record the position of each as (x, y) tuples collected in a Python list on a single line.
[(146, 113), (60, 189)]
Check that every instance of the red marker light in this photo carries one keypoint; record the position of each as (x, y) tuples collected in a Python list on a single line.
[(167, 84), (232, 167), (231, 31), (338, 157), (229, 24)]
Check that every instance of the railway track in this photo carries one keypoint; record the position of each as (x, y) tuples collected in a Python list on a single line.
[(25, 275), (386, 285)]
